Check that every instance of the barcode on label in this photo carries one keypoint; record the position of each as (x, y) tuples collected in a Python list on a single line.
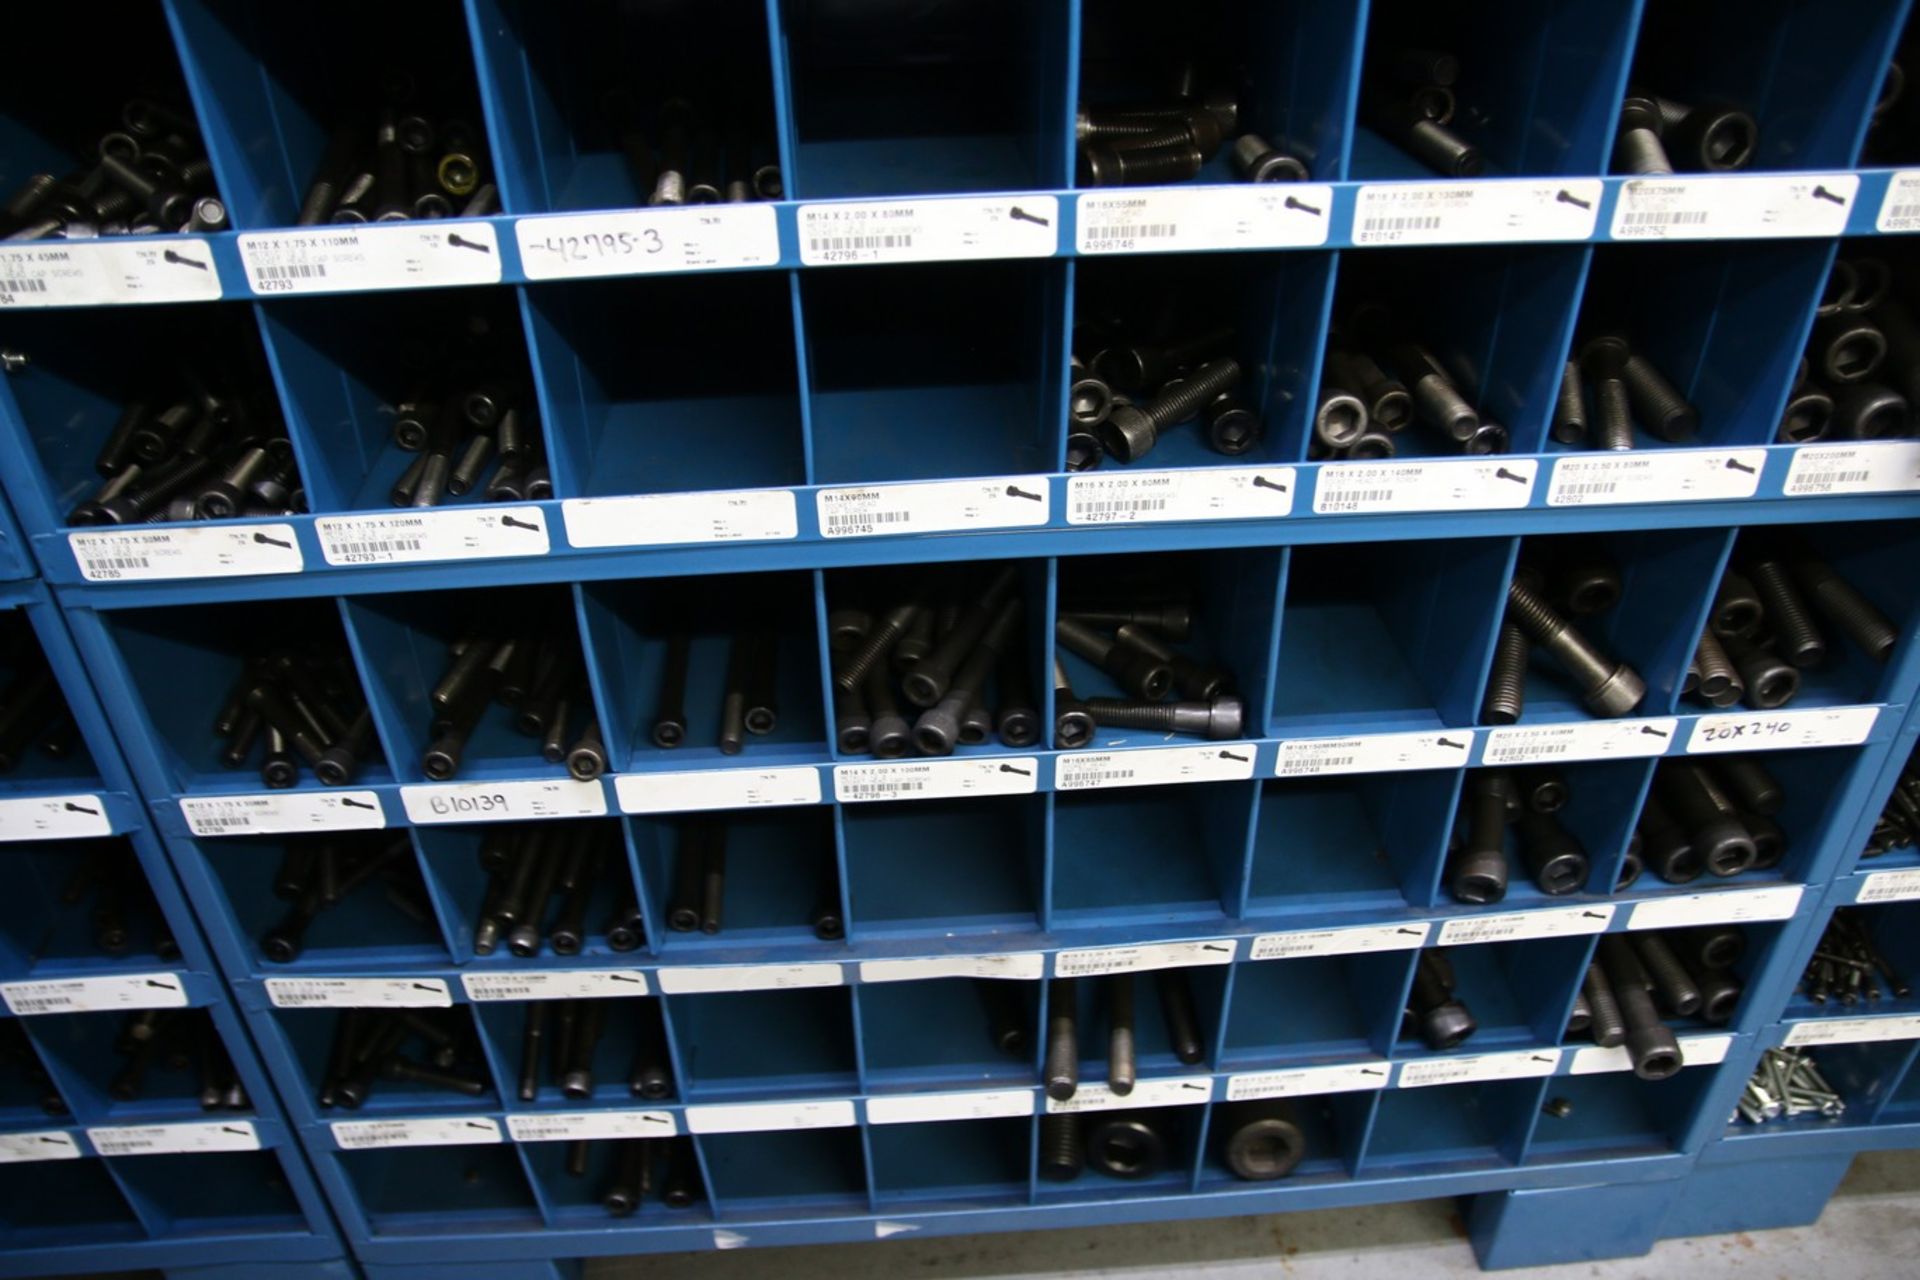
[(854, 244), (1846, 477), (118, 563), (1665, 218), (1150, 231), (868, 790), (857, 520), (291, 271), (1903, 211), (1308, 764), (385, 547), (1415, 222), (13, 284), (1095, 510), (1368, 495), (1587, 490)]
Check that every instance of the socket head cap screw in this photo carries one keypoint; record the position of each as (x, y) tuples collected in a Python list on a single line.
[(1128, 433)]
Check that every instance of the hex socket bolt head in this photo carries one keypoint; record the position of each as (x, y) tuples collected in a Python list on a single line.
[(1141, 674), (1847, 347), (1125, 1147), (1084, 451), (1631, 866), (1609, 688), (1555, 860), (1192, 679), (1479, 876), (1264, 1143), (1218, 718), (1232, 427), (1128, 433), (1736, 607), (1719, 996), (1870, 411), (1808, 417), (1089, 399), (1447, 1025), (1341, 418), (1715, 138), (1255, 159), (889, 736)]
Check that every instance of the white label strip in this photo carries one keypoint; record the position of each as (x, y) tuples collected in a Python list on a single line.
[(67, 273), (698, 979), (451, 1131), (1556, 922), (47, 1144), (1695, 1051), (1373, 753), (1477, 212), (1727, 906), (1162, 955), (1025, 966), (283, 812), (392, 255), (759, 1117), (1176, 1091), (1153, 766), (82, 995), (1821, 469), (174, 1139), (202, 551), (1202, 493), (633, 242), (1679, 475), (359, 993), (676, 519), (1471, 484), (1266, 215), (1341, 1077), (1340, 942), (1890, 886), (446, 533), (939, 506), (1779, 730), (1757, 206), (936, 779), (591, 1126), (555, 984), (716, 789), (503, 801), (929, 230), (1853, 1030), (1590, 740), (1520, 1064), (54, 818), (1900, 209), (977, 1104)]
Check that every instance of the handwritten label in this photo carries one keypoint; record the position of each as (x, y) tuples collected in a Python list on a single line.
[(1265, 215), (390, 255), (1470, 484), (1373, 753), (45, 1144), (697, 979), (1695, 1051), (198, 551), (448, 533), (69, 273), (936, 779), (359, 993), (1900, 209), (591, 1126), (283, 812), (452, 1131), (1341, 1077), (1520, 1064), (633, 242), (1339, 942), (1678, 475), (704, 789), (503, 801), (1477, 212), (1778, 730), (1725, 906), (1023, 965), (1748, 206), (54, 818), (1590, 740), (1202, 493), (554, 984), (1821, 469), (1890, 886), (1853, 1030), (1176, 1091), (677, 519), (82, 995), (174, 1139), (1557, 922), (966, 227), (976, 1104), (939, 506), (1163, 955), (1153, 766), (759, 1117)]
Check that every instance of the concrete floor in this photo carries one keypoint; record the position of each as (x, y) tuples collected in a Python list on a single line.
[(1871, 1231)]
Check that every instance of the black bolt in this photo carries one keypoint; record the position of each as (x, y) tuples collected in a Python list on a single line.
[(1130, 431), (939, 728), (1554, 858), (1126, 1146), (1176, 1008), (1713, 827), (1609, 688), (1218, 717), (1751, 786), (1436, 401), (1106, 166), (1608, 1028), (1122, 1069), (1017, 718), (1570, 407), (1671, 980), (1507, 686), (1479, 872), (1651, 1046), (1061, 1156), (1638, 148), (1257, 160), (928, 681), (1604, 360), (1191, 679), (1843, 605), (1443, 1021), (1795, 635), (1261, 1140), (1667, 847), (893, 625), (1072, 725), (1718, 681), (1061, 1071)]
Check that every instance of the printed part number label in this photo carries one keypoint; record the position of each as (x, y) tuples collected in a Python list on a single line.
[(1853, 1030), (391, 255), (677, 519), (1373, 753), (54, 818), (1695, 1051), (1517, 1065), (758, 1117), (1472, 484), (1339, 942), (449, 533), (67, 273), (1476, 212), (503, 801), (359, 993), (1153, 766), (976, 1104), (1821, 469), (1341, 1077), (929, 230), (1023, 965), (1754, 206), (1592, 740), (1900, 210), (452, 1131), (591, 1126), (209, 551), (1164, 955), (1777, 730), (634, 242), (277, 812), (716, 789), (1727, 906), (1005, 502), (46, 1144), (1558, 922), (936, 779), (1680, 475), (172, 1139), (1267, 215), (555, 984), (1890, 886), (695, 979), (1177, 1091), (82, 995), (1203, 493)]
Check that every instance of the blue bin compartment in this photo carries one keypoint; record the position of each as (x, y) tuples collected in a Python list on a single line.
[(1333, 1126), (615, 1027), (1891, 845), (1376, 638), (632, 630), (934, 372), (797, 1173), (573, 1181), (1451, 1128), (42, 751), (1158, 1166), (1617, 1115), (1890, 929), (411, 1190), (971, 866), (273, 90), (1537, 90), (445, 1039), (1285, 1013), (461, 861), (1807, 76), (86, 368), (1368, 842), (949, 1033), (1286, 71), (728, 1044), (64, 1202), (1597, 810), (1758, 961), (909, 99), (148, 1066), (1875, 1081), (184, 664), (972, 1164), (1204, 988), (28, 1094), (225, 1194), (569, 110), (356, 370), (671, 385), (1732, 361), (80, 907), (1519, 994), (779, 871), (1894, 127), (1150, 855)]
